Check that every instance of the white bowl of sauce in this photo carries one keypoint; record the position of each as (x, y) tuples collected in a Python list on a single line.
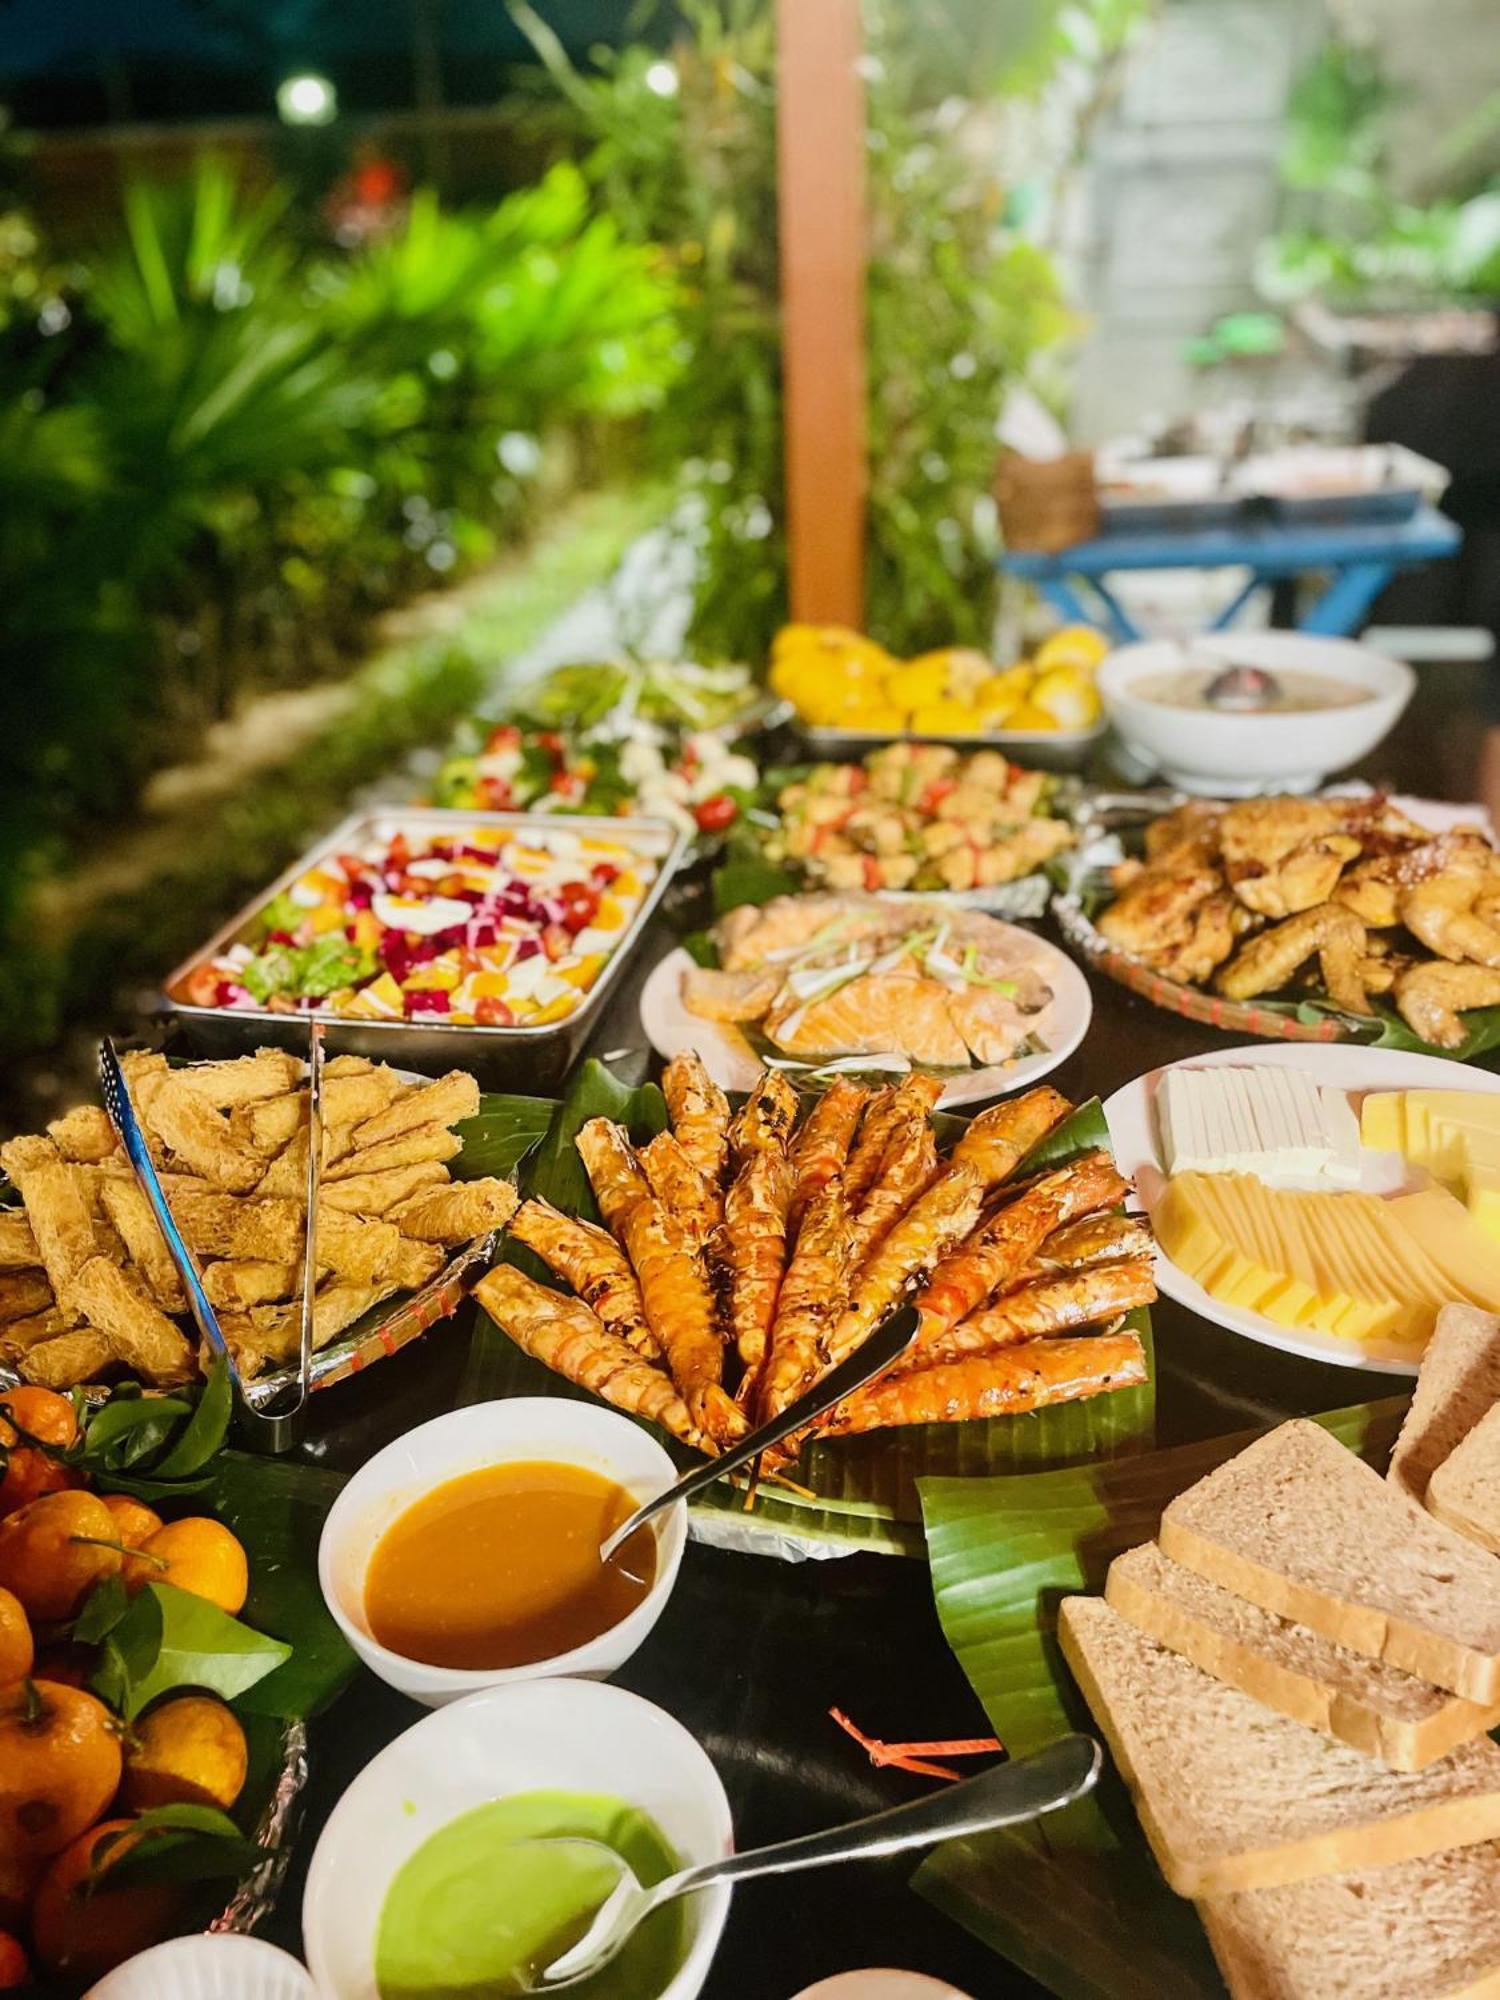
[(465, 1554), (1334, 701), (423, 1879)]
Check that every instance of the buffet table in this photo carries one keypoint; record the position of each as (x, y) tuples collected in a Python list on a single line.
[(751, 1653)]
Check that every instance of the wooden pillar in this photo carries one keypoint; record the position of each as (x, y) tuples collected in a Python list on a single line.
[(820, 121)]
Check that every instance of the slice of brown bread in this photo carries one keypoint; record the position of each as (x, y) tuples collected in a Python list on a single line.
[(1464, 1491), (1459, 1382), (1424, 1930), (1233, 1796), (1301, 1527), (1378, 1709)]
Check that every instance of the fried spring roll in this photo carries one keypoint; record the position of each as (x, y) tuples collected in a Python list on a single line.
[(56, 1208), (699, 1111), (1061, 1302), (591, 1261), (407, 1149), (415, 1264), (378, 1194), (764, 1122), (680, 1312), (116, 1304), (272, 1123), (356, 1249), (613, 1170), (131, 1214), (822, 1146), (188, 1124), (911, 1248), (568, 1338), (236, 1284), (23, 1293), (1005, 1384), (1002, 1247), (457, 1213), (999, 1139), (67, 1359), (84, 1134), (812, 1295), (18, 1251), (908, 1167), (19, 1336), (243, 1079), (687, 1197), (453, 1097), (754, 1253), (275, 1332)]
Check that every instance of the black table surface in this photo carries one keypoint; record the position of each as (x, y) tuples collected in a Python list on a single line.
[(751, 1653)]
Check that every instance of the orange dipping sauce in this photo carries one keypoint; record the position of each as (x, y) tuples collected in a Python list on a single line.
[(500, 1567)]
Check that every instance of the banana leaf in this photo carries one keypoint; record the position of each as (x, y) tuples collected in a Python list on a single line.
[(1076, 1901), (863, 1490), (501, 1134)]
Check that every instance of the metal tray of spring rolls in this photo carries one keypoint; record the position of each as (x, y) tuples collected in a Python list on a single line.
[(531, 1058)]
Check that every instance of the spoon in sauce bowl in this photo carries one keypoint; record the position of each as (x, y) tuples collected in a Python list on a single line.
[(877, 1353), (1002, 1796), (1243, 690)]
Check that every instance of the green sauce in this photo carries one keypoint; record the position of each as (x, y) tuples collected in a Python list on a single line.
[(470, 1910)]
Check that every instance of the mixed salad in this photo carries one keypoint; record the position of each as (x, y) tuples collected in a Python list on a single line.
[(486, 927), (612, 739)]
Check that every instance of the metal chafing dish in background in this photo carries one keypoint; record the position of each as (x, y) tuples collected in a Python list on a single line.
[(533, 1059)]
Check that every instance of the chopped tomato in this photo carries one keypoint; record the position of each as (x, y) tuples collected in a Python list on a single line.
[(603, 872), (398, 854), (203, 984), (506, 737), (715, 813), (935, 793), (872, 872), (553, 742), (556, 941), (566, 784), (494, 793), (580, 905), (492, 1012)]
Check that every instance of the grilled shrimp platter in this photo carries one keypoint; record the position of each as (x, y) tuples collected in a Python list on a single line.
[(745, 1253), (1306, 918)]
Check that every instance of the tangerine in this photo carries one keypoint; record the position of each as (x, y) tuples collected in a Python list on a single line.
[(50, 1553), (16, 1650), (30, 1470), (80, 1927), (197, 1554), (187, 1751), (59, 1766), (135, 1522)]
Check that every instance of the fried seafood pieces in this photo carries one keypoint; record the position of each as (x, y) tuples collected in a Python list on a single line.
[(1252, 897), (828, 1222), (90, 1286)]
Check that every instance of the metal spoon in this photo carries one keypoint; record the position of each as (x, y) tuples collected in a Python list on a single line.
[(1001, 1796), (878, 1352)]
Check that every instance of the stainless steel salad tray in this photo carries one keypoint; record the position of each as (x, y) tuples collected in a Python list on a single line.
[(500, 1057)]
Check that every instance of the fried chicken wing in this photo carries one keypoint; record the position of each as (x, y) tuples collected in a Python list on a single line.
[(1267, 962), (1430, 998)]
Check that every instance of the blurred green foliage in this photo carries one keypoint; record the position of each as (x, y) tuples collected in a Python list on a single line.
[(961, 301), (222, 448), (1351, 238)]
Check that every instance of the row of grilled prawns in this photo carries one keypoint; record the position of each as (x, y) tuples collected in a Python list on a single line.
[(744, 1254)]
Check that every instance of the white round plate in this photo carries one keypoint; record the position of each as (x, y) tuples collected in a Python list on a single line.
[(1344, 1065), (734, 1065)]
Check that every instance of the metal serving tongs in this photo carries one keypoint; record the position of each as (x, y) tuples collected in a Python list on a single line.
[(272, 1431)]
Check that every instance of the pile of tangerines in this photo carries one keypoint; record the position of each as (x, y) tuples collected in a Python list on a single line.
[(73, 1774)]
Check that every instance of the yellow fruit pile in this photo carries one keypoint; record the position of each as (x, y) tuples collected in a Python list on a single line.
[(837, 679)]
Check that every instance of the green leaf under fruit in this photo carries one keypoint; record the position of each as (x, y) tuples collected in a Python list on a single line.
[(176, 1843), (277, 1508), (127, 1429), (1078, 1903), (103, 1608), (169, 1639), (205, 1430)]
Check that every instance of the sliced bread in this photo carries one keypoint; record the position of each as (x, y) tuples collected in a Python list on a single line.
[(1301, 1527), (1423, 1930), (1459, 1382), (1376, 1708), (1464, 1491), (1232, 1796)]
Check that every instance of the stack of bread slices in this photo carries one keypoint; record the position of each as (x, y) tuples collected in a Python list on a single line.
[(1297, 1681)]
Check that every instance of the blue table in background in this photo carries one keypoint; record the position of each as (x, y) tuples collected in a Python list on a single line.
[(1361, 557)]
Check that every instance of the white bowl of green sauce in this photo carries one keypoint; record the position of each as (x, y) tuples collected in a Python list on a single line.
[(411, 1894), (435, 1459)]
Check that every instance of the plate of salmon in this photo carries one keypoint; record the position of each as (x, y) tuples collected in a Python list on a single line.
[(873, 985)]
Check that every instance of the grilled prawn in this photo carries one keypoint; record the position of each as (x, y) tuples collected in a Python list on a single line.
[(699, 1111), (680, 1312), (993, 1385), (753, 1250), (593, 1264), (999, 1139), (764, 1122), (822, 1146), (613, 1170), (937, 1220), (812, 1293), (567, 1337), (681, 1188), (1059, 1303)]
